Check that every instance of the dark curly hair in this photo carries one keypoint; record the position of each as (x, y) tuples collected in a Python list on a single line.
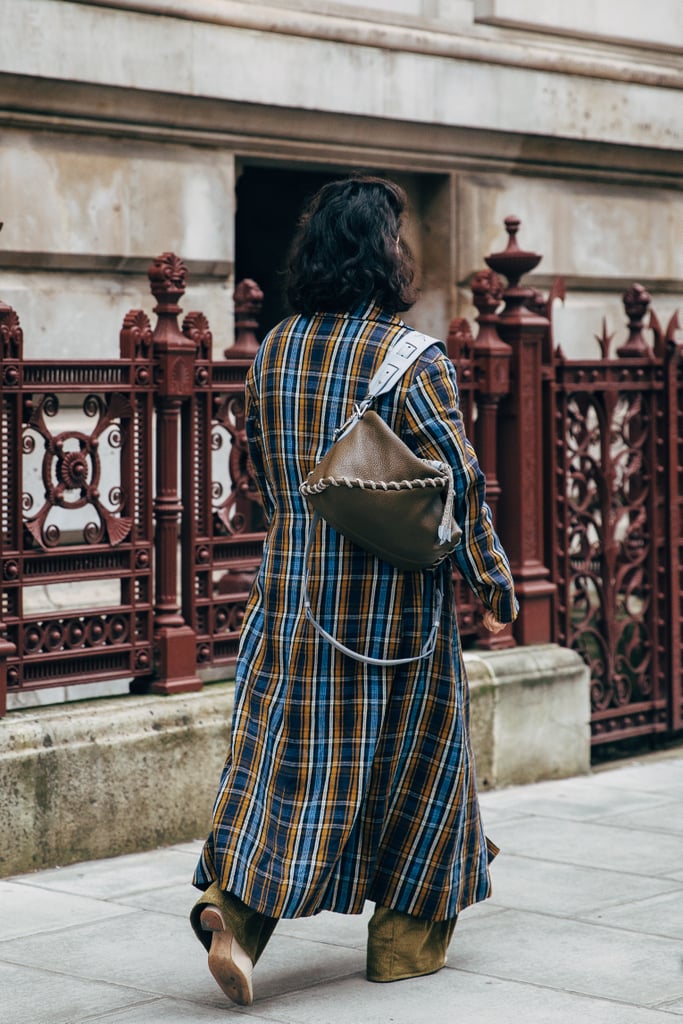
[(348, 249)]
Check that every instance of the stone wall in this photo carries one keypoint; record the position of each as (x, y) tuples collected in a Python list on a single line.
[(123, 126)]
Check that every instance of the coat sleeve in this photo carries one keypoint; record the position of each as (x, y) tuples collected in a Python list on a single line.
[(435, 430), (252, 421)]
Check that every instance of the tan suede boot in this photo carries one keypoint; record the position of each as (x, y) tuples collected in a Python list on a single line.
[(234, 936)]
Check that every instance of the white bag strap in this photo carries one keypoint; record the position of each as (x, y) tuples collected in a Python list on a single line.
[(400, 357)]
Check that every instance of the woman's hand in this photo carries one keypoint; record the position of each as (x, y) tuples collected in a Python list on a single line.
[(492, 623)]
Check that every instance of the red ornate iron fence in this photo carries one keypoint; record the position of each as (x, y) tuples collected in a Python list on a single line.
[(164, 610), (583, 458), (591, 494), (615, 551), (73, 517)]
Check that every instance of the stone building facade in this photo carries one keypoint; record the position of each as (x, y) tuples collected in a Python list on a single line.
[(133, 127), (130, 127)]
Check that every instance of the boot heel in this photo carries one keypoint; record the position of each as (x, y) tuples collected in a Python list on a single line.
[(228, 962)]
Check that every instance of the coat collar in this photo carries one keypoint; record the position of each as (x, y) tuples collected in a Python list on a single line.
[(373, 311)]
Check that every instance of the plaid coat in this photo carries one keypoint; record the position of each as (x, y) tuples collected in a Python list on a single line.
[(346, 782)]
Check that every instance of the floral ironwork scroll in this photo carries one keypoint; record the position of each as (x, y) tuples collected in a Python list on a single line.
[(616, 418), (609, 542)]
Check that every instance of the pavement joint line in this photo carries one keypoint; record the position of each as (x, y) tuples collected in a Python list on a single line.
[(634, 931), (590, 821), (258, 1004), (27, 881), (55, 972), (638, 899), (119, 1009), (564, 918), (318, 983), (589, 996), (662, 1007), (579, 864), (323, 942), (582, 915), (656, 799)]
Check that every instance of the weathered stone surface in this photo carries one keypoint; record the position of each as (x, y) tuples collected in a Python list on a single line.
[(101, 198), (579, 233), (530, 714), (637, 23), (67, 314), (84, 216), (518, 86), (107, 777)]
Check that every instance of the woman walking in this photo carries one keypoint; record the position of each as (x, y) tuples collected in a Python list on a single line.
[(344, 781)]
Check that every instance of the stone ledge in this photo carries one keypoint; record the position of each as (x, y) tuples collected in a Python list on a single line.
[(112, 776), (530, 714)]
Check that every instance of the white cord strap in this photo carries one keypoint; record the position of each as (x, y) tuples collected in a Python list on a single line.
[(427, 648)]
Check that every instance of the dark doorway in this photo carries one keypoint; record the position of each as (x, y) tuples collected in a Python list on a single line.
[(269, 202)]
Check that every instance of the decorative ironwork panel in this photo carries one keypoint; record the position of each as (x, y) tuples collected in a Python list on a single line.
[(223, 529), (76, 515), (611, 537)]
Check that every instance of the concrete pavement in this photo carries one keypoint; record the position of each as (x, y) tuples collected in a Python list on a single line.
[(585, 925)]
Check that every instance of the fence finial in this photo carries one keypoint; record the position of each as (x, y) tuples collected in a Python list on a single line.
[(513, 262), (248, 300), (167, 281), (636, 301)]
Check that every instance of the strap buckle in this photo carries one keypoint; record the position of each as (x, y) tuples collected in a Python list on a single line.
[(359, 411)]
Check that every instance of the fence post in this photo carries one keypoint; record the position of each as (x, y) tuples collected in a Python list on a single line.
[(520, 460), (174, 355), (492, 367), (670, 626), (238, 514), (492, 363), (248, 300)]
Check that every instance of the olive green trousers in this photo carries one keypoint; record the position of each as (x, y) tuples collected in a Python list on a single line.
[(399, 945)]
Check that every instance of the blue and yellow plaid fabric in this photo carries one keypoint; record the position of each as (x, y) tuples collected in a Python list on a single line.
[(346, 782)]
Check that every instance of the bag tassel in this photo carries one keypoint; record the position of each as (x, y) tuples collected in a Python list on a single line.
[(445, 526)]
